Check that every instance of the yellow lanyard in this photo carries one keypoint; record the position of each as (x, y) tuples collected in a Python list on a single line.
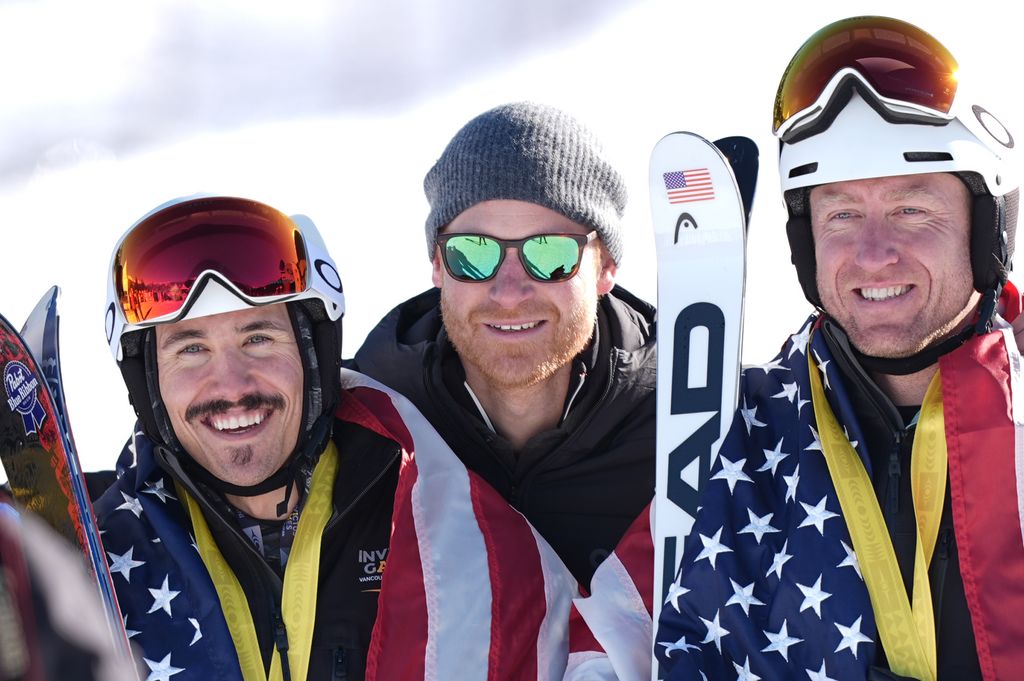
[(908, 634), (298, 601)]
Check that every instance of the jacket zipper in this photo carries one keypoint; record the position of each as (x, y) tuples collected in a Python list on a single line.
[(892, 501), (940, 564)]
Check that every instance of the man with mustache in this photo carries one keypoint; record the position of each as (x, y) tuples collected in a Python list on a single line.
[(532, 364), (249, 528)]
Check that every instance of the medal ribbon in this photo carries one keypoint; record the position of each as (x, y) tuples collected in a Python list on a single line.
[(907, 633), (301, 575)]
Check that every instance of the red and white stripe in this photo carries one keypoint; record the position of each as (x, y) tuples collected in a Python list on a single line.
[(611, 630), (471, 591), (983, 405)]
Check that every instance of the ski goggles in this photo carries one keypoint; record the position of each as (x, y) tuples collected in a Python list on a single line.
[(909, 75), (545, 257), (251, 247)]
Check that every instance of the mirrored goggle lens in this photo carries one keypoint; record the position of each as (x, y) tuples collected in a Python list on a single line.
[(255, 247), (900, 62), (546, 257)]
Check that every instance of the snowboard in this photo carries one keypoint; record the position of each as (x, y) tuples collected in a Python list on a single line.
[(37, 448), (699, 212)]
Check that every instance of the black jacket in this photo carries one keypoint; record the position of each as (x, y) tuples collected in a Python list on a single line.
[(889, 446), (581, 484)]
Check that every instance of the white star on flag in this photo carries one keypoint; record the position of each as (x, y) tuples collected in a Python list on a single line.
[(853, 443), (851, 637), (780, 559), (743, 596), (769, 367), (681, 644), (130, 504), (816, 445), (750, 416), (199, 632), (162, 670), (822, 368), (780, 642), (850, 560), (758, 526), (732, 472), (800, 340), (800, 402), (813, 596), (675, 590), (128, 632), (819, 675), (789, 391), (712, 547), (124, 563), (791, 482), (744, 673), (158, 490), (715, 631), (162, 597), (772, 457), (817, 515)]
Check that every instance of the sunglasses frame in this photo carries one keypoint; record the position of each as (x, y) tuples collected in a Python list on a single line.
[(582, 240)]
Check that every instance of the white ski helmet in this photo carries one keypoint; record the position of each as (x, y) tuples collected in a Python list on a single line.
[(870, 97), (202, 255)]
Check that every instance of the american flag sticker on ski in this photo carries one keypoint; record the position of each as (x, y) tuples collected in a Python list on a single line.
[(687, 186)]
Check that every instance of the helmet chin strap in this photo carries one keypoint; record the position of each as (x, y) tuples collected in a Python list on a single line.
[(284, 476), (903, 366)]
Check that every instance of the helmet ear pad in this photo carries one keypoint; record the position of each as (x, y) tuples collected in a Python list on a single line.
[(992, 239), (801, 248), (138, 368)]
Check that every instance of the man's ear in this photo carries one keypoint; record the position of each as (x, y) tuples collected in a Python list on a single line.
[(606, 275), (437, 273)]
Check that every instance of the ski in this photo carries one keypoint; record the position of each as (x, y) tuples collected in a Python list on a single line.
[(37, 448), (699, 212)]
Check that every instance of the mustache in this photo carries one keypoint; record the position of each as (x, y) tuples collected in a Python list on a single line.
[(249, 401)]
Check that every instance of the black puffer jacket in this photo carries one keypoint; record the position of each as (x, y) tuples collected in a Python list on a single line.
[(581, 484)]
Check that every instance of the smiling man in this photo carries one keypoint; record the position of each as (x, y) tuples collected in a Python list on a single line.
[(249, 527), (532, 364), (863, 518)]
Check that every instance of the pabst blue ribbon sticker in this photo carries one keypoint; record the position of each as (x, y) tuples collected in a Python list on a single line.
[(22, 395)]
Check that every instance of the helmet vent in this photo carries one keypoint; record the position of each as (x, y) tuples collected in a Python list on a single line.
[(805, 169), (927, 156)]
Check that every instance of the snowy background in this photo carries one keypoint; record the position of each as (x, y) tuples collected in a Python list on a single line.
[(336, 109)]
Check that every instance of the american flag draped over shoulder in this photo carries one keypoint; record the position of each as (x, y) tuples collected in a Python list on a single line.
[(471, 590), (770, 586)]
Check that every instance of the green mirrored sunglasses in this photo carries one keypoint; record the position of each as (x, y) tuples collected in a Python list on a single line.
[(545, 257)]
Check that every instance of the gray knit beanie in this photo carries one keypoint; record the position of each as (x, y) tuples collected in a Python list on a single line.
[(527, 152)]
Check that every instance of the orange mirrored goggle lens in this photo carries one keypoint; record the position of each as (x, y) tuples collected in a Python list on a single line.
[(255, 247), (898, 60)]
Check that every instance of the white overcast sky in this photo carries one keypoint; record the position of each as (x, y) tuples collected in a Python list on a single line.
[(336, 109)]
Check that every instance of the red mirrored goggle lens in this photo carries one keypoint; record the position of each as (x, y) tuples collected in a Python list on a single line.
[(898, 60), (253, 246)]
